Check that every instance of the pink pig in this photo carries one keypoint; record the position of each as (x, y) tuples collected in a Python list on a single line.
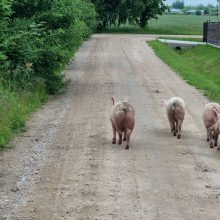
[(123, 120), (215, 129), (175, 109), (209, 117)]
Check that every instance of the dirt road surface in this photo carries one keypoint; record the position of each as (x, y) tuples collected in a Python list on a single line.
[(65, 167)]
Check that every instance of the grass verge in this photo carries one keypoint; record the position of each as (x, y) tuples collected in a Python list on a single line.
[(15, 109), (199, 66)]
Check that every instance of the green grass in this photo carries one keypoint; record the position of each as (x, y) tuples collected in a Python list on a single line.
[(199, 66), (15, 109), (167, 24)]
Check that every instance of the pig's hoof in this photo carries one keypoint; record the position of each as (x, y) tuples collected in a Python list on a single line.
[(127, 147), (124, 139), (215, 144), (113, 141), (174, 134), (178, 136), (119, 142), (211, 145), (207, 139)]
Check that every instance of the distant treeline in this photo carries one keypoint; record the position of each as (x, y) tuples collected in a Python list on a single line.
[(136, 12), (206, 9)]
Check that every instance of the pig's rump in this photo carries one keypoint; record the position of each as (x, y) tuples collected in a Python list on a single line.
[(123, 120)]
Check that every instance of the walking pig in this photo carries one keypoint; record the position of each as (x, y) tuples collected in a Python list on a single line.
[(123, 120), (215, 129), (210, 117), (175, 109)]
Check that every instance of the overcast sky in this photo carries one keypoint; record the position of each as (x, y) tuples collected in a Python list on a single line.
[(194, 2)]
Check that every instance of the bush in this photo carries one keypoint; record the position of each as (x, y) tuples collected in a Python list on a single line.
[(198, 12), (39, 38)]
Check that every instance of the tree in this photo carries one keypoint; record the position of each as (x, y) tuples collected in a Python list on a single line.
[(206, 11), (178, 4), (210, 6), (198, 12), (107, 11), (200, 6), (132, 11), (150, 9)]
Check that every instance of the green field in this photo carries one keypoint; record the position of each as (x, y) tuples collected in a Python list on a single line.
[(167, 24), (199, 66)]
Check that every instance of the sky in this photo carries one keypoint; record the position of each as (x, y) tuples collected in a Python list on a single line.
[(194, 2)]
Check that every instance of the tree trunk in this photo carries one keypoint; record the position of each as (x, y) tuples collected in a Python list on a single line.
[(143, 19)]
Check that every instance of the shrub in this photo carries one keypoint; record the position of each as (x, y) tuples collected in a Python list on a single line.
[(39, 38)]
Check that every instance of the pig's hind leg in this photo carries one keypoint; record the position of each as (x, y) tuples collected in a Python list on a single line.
[(172, 125), (178, 128), (120, 137), (125, 135), (114, 133), (128, 134), (215, 139)]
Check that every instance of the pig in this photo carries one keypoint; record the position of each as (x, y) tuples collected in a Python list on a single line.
[(122, 118), (175, 109), (215, 129), (209, 117)]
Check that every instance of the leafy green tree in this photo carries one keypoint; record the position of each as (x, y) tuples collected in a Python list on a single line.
[(107, 11), (29, 8), (5, 8), (132, 11), (200, 6), (178, 4), (198, 12), (5, 12), (206, 11), (37, 39), (150, 9)]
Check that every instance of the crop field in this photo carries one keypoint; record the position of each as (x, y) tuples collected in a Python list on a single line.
[(180, 24), (168, 24)]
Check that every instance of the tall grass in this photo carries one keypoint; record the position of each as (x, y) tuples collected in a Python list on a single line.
[(15, 108), (199, 66), (167, 24)]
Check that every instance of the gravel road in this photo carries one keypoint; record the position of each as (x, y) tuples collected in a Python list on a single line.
[(65, 167)]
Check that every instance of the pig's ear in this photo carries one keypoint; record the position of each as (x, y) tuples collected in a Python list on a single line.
[(165, 103), (113, 100), (216, 112)]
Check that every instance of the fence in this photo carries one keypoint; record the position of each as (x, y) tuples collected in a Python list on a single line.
[(211, 32)]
